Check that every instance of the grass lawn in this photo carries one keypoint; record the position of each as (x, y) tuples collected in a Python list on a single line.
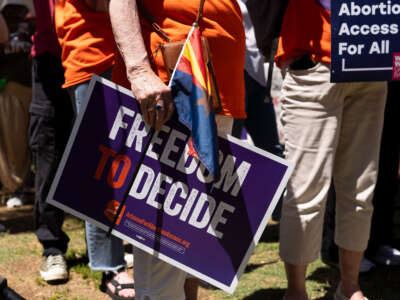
[(264, 277)]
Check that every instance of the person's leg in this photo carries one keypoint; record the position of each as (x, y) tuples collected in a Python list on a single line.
[(105, 253), (47, 141), (386, 185), (157, 280), (355, 173), (49, 128), (329, 250), (191, 288), (349, 264), (260, 122), (311, 116)]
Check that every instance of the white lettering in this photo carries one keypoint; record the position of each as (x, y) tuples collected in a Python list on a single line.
[(118, 122), (204, 200), (218, 218)]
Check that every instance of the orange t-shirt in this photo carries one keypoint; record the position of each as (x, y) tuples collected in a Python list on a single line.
[(221, 24), (306, 29), (86, 40)]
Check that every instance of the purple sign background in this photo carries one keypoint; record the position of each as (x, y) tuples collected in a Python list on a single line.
[(212, 242)]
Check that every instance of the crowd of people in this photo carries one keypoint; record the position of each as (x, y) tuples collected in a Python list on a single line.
[(339, 201)]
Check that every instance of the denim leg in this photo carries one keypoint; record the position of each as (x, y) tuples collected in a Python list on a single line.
[(105, 253)]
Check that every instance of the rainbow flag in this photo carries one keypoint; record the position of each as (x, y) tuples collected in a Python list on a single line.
[(191, 89)]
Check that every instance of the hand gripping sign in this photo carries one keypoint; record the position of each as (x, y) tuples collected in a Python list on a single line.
[(173, 208)]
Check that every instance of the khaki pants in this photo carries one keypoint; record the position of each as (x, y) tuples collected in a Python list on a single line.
[(14, 120), (331, 131)]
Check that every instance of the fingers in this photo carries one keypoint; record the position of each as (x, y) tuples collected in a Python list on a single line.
[(145, 112), (154, 97), (164, 110), (157, 110)]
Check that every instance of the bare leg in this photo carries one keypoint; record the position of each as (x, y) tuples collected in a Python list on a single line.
[(191, 288), (296, 277), (349, 262)]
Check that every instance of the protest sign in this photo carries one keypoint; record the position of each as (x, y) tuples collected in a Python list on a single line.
[(174, 210), (365, 40)]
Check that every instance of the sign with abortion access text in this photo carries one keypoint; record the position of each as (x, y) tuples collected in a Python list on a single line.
[(365, 40), (173, 209)]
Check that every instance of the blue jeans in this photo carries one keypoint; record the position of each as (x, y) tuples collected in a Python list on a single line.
[(105, 253)]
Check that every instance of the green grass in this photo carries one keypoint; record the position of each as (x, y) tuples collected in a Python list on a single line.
[(76, 254), (263, 279)]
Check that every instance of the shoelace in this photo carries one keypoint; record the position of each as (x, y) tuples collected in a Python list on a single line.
[(55, 260)]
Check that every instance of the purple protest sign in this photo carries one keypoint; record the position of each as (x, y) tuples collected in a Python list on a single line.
[(208, 229)]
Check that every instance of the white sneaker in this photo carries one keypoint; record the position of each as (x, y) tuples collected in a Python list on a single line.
[(14, 202), (386, 255), (54, 267), (366, 265)]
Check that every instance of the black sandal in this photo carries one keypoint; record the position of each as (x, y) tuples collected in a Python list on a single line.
[(108, 276)]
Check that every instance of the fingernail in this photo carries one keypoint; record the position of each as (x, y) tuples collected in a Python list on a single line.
[(158, 106)]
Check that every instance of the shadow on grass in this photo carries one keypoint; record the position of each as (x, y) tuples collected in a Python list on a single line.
[(266, 294), (270, 234), (251, 267), (328, 276), (78, 263), (381, 283), (324, 275), (73, 261)]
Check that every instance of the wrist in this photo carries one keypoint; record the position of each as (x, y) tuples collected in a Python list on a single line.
[(137, 68)]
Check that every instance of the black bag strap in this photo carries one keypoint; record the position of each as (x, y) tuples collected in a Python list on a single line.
[(157, 28), (150, 19), (199, 13), (271, 68)]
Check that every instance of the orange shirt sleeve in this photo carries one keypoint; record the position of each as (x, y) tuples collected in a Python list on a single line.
[(221, 24)]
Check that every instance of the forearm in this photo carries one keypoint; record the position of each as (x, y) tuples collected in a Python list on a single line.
[(128, 36), (3, 30), (154, 96)]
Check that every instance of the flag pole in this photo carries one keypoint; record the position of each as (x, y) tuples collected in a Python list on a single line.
[(134, 175)]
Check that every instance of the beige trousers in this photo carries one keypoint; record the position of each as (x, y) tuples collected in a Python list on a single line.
[(15, 159), (331, 131)]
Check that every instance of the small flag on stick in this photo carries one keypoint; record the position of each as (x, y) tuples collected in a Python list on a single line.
[(191, 90)]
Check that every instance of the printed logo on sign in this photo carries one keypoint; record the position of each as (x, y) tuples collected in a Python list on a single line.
[(396, 66), (111, 210)]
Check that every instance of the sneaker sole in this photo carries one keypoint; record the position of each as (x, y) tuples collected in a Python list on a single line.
[(53, 276)]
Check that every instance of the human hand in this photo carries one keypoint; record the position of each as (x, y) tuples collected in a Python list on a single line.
[(154, 96)]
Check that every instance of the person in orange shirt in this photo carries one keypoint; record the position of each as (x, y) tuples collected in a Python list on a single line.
[(87, 47), (332, 131), (144, 73)]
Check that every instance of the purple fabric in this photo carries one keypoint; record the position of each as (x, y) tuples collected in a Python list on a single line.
[(45, 37), (326, 4)]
